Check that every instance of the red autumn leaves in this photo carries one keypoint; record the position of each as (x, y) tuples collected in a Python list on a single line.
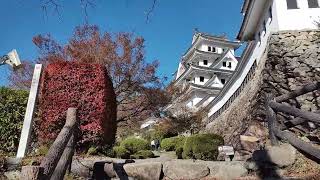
[(85, 86)]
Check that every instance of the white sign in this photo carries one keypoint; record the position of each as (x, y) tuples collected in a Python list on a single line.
[(28, 117), (227, 150)]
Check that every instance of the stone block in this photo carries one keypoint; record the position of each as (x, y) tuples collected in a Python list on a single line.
[(144, 171), (227, 170), (185, 169), (282, 155)]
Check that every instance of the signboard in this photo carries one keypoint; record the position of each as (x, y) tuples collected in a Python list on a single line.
[(227, 150), (28, 117)]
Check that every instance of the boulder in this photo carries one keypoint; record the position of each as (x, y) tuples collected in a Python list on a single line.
[(227, 170), (12, 175), (144, 171), (185, 169), (282, 155)]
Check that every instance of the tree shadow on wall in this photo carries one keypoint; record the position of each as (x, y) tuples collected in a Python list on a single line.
[(99, 172), (264, 169)]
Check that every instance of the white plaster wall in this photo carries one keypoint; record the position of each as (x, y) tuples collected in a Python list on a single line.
[(180, 71), (282, 19), (204, 47), (208, 101), (217, 83), (229, 58), (271, 26), (194, 100), (197, 79), (297, 19), (200, 63)]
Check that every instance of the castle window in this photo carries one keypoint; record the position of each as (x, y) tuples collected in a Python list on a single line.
[(270, 13), (292, 4), (223, 81), (214, 49), (264, 27), (224, 64), (205, 62), (313, 3), (201, 79), (209, 48)]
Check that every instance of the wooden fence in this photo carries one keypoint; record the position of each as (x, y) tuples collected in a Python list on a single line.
[(279, 130), (59, 156)]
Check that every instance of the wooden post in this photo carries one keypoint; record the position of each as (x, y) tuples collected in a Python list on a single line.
[(310, 116), (300, 91), (298, 143), (28, 118), (271, 118), (51, 160), (65, 160), (32, 173)]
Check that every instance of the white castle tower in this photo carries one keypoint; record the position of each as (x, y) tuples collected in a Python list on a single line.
[(204, 69), (209, 71)]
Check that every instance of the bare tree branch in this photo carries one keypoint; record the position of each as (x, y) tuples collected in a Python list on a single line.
[(149, 12)]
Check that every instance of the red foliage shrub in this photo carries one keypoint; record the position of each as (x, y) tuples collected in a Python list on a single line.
[(85, 86)]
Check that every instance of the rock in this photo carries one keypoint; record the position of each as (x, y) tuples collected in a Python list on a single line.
[(282, 156), (227, 170), (13, 163), (12, 175), (109, 170), (185, 169), (144, 171)]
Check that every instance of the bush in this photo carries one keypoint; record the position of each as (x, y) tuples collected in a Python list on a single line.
[(179, 151), (202, 146), (133, 144), (170, 144), (13, 104), (86, 87), (142, 154), (42, 150), (92, 151), (2, 164), (121, 152)]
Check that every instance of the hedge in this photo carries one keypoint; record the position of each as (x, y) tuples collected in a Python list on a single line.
[(13, 104), (121, 152), (202, 146), (142, 154), (170, 144), (133, 144), (86, 87)]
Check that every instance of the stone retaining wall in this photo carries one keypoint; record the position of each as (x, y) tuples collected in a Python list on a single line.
[(291, 60)]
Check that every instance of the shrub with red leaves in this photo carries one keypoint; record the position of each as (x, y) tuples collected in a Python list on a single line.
[(86, 87)]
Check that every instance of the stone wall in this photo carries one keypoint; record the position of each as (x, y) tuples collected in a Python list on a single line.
[(291, 60)]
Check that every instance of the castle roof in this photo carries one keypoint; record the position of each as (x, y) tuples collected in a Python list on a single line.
[(198, 37), (253, 10), (193, 68)]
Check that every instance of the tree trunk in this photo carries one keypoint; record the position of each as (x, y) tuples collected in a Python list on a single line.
[(299, 144), (294, 122), (32, 173), (65, 160), (300, 91), (271, 119), (309, 116), (50, 162)]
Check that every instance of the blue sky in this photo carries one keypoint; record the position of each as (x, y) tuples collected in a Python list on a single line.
[(168, 33)]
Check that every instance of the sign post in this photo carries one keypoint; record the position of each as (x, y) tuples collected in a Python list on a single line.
[(227, 152), (28, 117)]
